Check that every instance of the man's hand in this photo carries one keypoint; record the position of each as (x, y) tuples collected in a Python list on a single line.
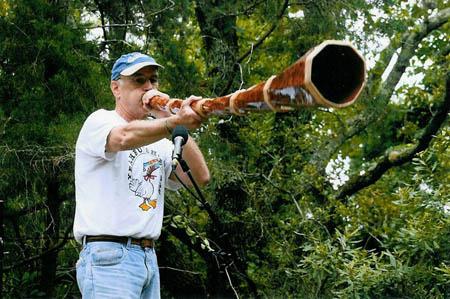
[(186, 116)]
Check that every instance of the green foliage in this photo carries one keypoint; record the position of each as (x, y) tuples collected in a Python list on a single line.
[(277, 226)]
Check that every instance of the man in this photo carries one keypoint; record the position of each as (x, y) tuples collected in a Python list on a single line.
[(122, 165)]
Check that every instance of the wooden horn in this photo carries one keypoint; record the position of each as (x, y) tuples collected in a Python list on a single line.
[(331, 74)]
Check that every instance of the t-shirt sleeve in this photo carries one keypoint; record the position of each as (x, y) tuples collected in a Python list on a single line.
[(94, 134)]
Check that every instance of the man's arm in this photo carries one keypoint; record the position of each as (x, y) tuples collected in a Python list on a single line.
[(142, 132), (137, 133)]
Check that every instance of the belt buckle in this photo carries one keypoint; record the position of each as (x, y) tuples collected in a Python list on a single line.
[(144, 243)]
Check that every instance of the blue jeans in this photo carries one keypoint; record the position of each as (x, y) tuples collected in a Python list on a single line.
[(114, 270)]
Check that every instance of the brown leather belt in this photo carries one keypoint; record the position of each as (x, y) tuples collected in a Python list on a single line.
[(144, 243)]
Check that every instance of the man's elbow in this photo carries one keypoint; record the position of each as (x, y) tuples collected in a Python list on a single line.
[(119, 140), (204, 179)]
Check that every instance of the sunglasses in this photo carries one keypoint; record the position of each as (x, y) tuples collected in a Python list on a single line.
[(141, 80)]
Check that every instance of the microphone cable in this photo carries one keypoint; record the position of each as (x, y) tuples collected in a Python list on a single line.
[(199, 195), (186, 187)]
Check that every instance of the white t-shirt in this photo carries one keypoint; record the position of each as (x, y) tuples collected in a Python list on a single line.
[(122, 193)]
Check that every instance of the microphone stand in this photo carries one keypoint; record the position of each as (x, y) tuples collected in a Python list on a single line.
[(207, 207), (200, 198), (204, 203)]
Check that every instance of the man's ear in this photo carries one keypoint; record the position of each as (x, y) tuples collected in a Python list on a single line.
[(115, 88)]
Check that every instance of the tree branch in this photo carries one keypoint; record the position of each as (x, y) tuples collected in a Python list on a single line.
[(410, 42), (400, 155), (381, 93), (181, 235), (266, 35), (282, 190), (14, 214), (180, 270), (39, 256), (102, 18), (253, 47), (35, 155), (104, 26)]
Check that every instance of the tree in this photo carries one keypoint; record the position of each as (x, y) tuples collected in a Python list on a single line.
[(47, 77), (317, 203)]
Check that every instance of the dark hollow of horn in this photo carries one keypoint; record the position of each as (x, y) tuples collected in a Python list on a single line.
[(338, 73)]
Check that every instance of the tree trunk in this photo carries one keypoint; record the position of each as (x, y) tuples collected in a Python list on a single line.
[(49, 260), (2, 233)]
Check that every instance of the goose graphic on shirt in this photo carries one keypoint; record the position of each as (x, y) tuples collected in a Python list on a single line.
[(144, 177)]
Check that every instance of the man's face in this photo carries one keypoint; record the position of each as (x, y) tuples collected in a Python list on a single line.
[(129, 90)]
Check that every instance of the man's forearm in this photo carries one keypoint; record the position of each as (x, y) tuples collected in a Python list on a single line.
[(136, 134)]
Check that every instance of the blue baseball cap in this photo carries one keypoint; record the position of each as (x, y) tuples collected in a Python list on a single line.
[(128, 64)]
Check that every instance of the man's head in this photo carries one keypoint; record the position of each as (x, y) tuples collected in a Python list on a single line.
[(128, 64), (132, 76)]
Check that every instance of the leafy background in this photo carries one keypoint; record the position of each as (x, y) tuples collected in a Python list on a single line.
[(317, 203)]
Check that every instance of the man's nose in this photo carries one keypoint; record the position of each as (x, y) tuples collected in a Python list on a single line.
[(148, 85)]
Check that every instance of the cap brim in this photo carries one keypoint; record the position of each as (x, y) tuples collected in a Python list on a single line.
[(133, 69)]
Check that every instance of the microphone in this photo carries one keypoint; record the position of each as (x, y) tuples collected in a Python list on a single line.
[(179, 138)]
